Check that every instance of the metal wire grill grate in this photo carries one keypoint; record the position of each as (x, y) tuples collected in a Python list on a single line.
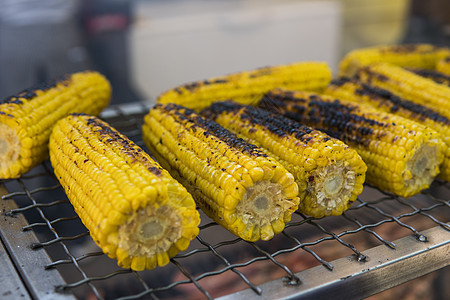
[(216, 263)]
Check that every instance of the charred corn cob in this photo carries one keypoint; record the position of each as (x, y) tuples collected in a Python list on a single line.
[(134, 210), (434, 75), (248, 86), (329, 172), (232, 181), (26, 119), (443, 65), (402, 156), (410, 55), (407, 85), (353, 90)]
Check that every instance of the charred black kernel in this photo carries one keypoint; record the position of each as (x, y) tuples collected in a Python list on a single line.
[(372, 74), (264, 71), (126, 146), (30, 93), (335, 118), (386, 97), (407, 48), (193, 120), (339, 81), (311, 178), (155, 170), (193, 86), (434, 75), (253, 116)]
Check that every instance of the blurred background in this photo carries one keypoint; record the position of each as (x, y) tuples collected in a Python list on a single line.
[(147, 46)]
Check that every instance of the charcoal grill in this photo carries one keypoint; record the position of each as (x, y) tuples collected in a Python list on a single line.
[(380, 242)]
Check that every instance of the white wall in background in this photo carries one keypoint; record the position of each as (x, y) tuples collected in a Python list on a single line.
[(175, 42)]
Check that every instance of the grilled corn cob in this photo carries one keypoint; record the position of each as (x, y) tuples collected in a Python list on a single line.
[(248, 86), (434, 75), (353, 90), (402, 156), (331, 173), (134, 210), (409, 55), (232, 181), (407, 85), (443, 65), (26, 119)]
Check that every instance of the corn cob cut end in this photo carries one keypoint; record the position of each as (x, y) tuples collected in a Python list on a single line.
[(263, 211), (154, 234), (423, 167), (10, 166), (332, 189)]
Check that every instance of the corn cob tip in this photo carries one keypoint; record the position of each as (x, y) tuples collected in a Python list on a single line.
[(332, 189), (9, 151), (150, 230)]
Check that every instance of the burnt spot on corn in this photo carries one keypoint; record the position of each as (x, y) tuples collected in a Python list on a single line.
[(339, 120), (434, 75), (111, 136), (371, 74), (264, 71), (260, 118), (338, 82), (193, 121), (193, 86), (407, 48), (30, 93), (396, 103)]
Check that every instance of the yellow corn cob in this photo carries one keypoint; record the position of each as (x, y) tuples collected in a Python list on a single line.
[(232, 181), (26, 119), (248, 86), (407, 85), (353, 90), (434, 75), (409, 55), (331, 173), (443, 65), (134, 210), (402, 156)]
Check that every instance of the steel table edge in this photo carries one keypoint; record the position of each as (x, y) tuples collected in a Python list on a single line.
[(384, 268)]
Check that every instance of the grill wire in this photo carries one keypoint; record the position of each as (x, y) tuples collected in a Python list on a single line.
[(216, 263)]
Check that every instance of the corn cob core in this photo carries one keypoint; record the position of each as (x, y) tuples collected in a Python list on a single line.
[(407, 85), (443, 65), (422, 56), (353, 90), (330, 175), (246, 87), (232, 181), (402, 156), (26, 119), (134, 210)]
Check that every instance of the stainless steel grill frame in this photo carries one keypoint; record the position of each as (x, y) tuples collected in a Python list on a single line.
[(48, 253)]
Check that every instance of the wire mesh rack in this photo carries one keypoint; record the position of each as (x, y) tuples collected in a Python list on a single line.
[(380, 242)]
